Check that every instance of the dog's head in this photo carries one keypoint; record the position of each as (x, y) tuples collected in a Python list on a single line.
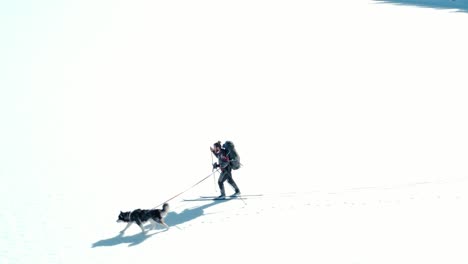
[(122, 217)]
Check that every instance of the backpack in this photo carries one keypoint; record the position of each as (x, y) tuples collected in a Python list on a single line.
[(232, 154)]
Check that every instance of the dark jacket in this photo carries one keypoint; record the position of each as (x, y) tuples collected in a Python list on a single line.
[(223, 159)]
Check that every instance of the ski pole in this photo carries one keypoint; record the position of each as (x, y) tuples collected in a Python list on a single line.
[(214, 175)]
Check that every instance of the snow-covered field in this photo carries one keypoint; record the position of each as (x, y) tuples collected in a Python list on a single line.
[(350, 118)]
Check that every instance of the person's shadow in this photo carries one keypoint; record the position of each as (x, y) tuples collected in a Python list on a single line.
[(172, 219), (460, 5)]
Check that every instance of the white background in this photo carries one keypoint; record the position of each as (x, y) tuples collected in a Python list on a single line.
[(110, 106)]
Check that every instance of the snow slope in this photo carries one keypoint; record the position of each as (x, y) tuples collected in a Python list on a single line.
[(349, 117)]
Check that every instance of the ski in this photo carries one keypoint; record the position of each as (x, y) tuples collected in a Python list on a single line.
[(233, 196), (216, 198)]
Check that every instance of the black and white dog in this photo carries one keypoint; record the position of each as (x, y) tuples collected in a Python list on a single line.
[(140, 216)]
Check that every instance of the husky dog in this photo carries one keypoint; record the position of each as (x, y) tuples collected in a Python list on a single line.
[(140, 216)]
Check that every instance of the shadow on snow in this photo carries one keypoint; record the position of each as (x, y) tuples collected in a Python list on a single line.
[(120, 239), (459, 5), (172, 219)]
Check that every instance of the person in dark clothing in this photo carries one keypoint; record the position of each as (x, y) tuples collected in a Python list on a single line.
[(225, 167)]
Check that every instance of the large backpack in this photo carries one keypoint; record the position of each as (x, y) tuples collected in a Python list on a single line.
[(232, 154)]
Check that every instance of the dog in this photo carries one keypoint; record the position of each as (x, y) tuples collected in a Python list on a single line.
[(140, 216)]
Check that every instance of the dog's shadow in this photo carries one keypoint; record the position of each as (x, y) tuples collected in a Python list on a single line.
[(121, 239), (172, 219)]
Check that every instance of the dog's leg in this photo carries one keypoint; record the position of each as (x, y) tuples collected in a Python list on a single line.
[(128, 225), (164, 224), (141, 226), (153, 224)]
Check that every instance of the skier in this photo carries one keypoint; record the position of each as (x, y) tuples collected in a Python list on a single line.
[(226, 169)]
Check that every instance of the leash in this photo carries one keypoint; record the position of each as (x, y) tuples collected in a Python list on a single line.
[(187, 188)]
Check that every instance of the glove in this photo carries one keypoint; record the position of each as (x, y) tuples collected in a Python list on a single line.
[(215, 165)]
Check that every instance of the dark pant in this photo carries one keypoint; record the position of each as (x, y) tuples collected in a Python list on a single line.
[(226, 175)]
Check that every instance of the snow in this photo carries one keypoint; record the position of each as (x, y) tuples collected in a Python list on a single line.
[(349, 117)]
